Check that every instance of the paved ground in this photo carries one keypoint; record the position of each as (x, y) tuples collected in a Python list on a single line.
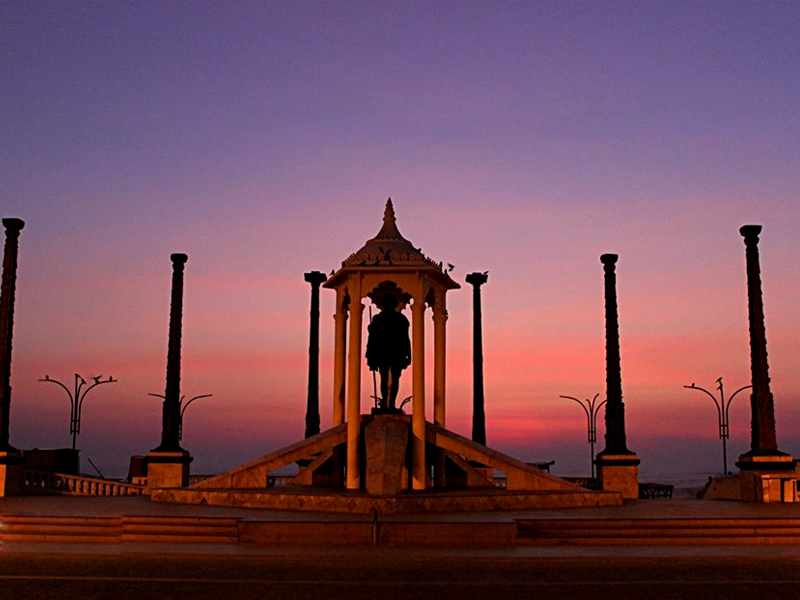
[(390, 575)]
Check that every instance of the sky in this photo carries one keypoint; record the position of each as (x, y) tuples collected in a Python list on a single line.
[(520, 138)]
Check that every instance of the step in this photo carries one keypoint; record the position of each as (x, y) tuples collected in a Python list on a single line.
[(655, 522), (85, 529), (148, 520), (180, 529), (35, 519), (662, 541), (177, 538), (71, 538), (110, 529), (698, 531)]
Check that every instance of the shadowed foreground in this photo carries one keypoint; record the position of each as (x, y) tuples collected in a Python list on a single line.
[(389, 575)]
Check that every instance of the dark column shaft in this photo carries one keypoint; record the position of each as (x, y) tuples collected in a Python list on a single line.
[(762, 428), (315, 278), (13, 227), (171, 415), (615, 408), (478, 412)]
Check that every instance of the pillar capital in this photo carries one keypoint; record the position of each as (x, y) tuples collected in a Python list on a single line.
[(440, 314), (178, 259), (609, 260), (750, 233), (315, 278), (13, 226), (356, 307), (477, 279)]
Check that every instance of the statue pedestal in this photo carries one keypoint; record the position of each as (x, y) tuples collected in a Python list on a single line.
[(168, 469), (619, 473), (768, 478), (11, 473), (386, 439)]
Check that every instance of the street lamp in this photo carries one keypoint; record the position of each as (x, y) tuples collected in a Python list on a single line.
[(590, 408), (184, 406), (723, 415), (76, 399)]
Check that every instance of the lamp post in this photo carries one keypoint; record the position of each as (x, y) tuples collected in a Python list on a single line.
[(76, 399), (590, 408), (723, 415), (183, 405)]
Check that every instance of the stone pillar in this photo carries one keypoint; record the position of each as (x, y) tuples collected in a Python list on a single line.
[(168, 465), (10, 457), (419, 479), (476, 280), (354, 396), (439, 383), (763, 454), (339, 358), (617, 466), (439, 362), (13, 227), (315, 278)]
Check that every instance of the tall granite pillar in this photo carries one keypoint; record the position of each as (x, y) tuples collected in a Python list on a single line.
[(168, 465), (315, 278), (10, 457), (476, 280), (763, 454), (617, 466), (13, 227)]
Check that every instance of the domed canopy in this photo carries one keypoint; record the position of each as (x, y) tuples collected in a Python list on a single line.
[(390, 251)]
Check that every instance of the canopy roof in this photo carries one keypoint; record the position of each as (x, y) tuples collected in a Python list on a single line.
[(389, 251)]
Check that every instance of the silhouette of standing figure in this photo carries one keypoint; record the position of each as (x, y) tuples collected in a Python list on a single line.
[(389, 349)]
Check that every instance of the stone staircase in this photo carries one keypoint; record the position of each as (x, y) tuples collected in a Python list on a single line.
[(522, 533), (180, 529), (119, 529), (658, 532), (59, 529)]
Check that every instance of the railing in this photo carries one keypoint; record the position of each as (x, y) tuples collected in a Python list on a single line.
[(58, 483)]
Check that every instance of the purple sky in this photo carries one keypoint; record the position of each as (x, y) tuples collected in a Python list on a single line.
[(526, 139)]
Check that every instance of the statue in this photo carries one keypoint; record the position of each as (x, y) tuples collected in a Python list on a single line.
[(389, 350)]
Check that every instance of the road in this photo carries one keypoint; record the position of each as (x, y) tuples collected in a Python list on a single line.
[(393, 574)]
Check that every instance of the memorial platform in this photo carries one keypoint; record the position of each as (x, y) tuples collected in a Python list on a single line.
[(58, 524)]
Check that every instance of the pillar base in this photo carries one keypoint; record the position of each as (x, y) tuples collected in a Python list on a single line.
[(619, 473), (768, 477), (11, 473), (773, 461), (168, 469)]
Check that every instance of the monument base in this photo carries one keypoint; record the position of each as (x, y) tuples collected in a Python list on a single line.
[(11, 473), (768, 477), (386, 447), (619, 473), (168, 469)]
